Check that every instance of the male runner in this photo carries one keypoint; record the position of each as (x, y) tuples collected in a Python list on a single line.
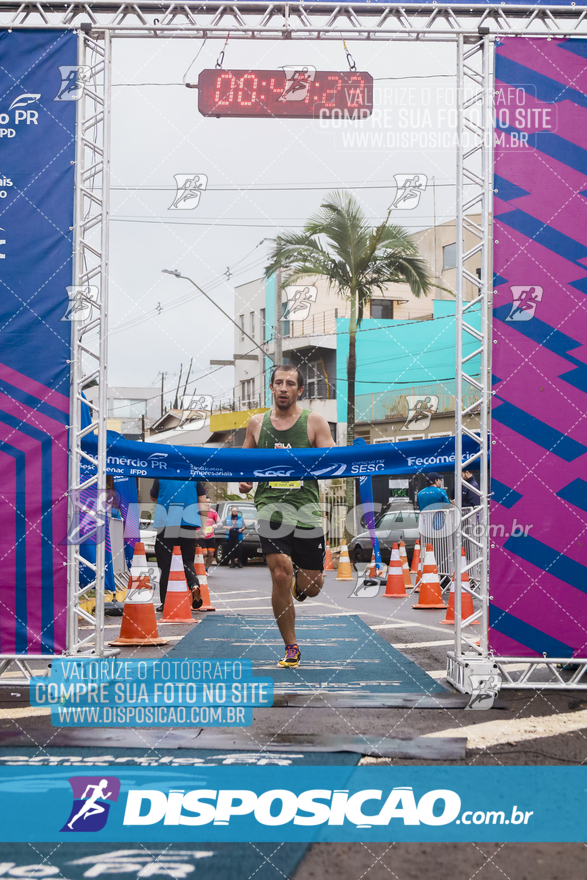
[(289, 518)]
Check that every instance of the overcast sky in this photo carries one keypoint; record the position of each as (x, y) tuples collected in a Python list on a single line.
[(158, 322)]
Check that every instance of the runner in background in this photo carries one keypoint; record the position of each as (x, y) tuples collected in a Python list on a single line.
[(236, 529), (288, 512), (205, 537)]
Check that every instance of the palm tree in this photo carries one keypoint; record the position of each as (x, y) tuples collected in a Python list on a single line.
[(339, 244)]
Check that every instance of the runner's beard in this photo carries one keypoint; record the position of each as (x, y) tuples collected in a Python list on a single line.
[(283, 403)]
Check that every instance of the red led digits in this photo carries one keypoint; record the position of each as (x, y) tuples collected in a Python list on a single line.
[(273, 94), (355, 91), (253, 90), (331, 93), (223, 102)]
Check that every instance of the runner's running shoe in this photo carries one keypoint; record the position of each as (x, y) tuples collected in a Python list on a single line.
[(292, 658), (298, 595)]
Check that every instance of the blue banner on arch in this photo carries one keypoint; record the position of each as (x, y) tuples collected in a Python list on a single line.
[(37, 144)]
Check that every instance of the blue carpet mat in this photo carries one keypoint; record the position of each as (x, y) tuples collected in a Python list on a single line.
[(183, 861), (339, 655), (74, 756)]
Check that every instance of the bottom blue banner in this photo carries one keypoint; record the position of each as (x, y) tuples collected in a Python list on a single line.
[(297, 804)]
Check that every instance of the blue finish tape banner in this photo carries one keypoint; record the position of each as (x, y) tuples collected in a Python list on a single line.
[(37, 143), (187, 462), (324, 803)]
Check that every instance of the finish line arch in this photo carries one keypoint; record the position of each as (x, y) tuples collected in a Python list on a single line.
[(476, 31)]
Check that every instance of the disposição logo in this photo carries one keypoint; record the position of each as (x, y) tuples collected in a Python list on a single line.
[(91, 796)]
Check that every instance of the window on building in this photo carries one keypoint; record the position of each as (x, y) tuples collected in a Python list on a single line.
[(247, 394), (252, 319), (382, 308), (127, 409), (241, 320), (449, 256), (316, 386), (263, 322)]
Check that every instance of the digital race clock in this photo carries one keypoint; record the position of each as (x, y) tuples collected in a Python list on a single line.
[(291, 93)]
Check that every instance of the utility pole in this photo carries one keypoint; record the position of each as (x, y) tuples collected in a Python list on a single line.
[(176, 401), (162, 390), (278, 330)]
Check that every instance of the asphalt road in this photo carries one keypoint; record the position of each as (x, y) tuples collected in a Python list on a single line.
[(531, 728)]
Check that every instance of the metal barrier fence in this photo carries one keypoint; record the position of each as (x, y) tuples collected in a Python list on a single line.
[(438, 527)]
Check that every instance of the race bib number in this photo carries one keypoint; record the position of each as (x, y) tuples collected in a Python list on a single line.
[(287, 484)]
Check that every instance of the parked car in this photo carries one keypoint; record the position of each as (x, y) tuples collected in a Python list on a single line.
[(251, 543), (391, 527)]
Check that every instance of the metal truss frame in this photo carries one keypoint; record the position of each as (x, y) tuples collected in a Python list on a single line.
[(474, 196), (89, 356), (295, 20), (473, 28)]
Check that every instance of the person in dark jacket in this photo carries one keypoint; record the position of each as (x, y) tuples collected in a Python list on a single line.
[(469, 498)]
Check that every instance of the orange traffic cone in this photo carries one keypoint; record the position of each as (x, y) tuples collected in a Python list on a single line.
[(205, 594), (139, 624), (430, 592), (178, 599), (416, 559), (405, 567), (419, 570), (395, 587), (344, 572), (199, 563), (328, 566), (373, 569), (203, 579), (467, 607)]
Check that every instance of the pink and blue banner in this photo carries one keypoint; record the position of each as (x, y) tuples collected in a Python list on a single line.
[(37, 144), (538, 559)]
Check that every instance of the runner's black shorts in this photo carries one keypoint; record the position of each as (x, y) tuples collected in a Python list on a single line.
[(207, 543), (306, 551)]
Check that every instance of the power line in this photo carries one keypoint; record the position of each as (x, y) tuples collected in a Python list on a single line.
[(188, 297), (275, 187), (375, 78), (222, 225)]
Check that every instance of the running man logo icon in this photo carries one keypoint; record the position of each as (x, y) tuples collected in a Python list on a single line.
[(90, 802), (420, 410), (297, 83), (73, 81), (82, 297), (299, 302), (409, 189), (525, 299), (189, 190)]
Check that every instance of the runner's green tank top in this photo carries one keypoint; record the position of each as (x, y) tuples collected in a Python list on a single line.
[(298, 500)]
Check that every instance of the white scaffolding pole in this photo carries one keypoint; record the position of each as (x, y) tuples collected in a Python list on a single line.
[(90, 335), (474, 188)]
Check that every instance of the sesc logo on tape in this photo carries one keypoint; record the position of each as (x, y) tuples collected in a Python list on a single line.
[(281, 806)]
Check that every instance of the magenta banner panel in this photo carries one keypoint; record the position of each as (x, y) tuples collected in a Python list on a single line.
[(538, 558), (37, 151)]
